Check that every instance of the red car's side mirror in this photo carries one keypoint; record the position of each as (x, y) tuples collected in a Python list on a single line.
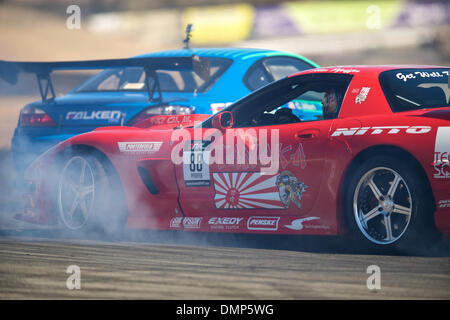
[(223, 120)]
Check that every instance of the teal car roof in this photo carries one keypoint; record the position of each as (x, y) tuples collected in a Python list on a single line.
[(231, 53)]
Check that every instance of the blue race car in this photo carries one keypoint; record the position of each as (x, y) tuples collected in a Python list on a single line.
[(126, 95)]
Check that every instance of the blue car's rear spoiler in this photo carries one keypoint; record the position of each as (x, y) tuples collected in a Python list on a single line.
[(9, 70)]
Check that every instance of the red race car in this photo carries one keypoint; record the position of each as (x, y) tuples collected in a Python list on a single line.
[(375, 165)]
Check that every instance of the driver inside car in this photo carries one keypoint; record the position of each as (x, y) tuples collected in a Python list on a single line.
[(330, 105)]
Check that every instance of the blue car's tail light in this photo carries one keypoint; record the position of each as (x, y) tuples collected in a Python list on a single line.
[(35, 117)]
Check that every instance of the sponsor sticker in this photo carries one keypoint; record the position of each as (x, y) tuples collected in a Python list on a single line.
[(176, 222), (192, 222), (156, 120), (106, 115), (380, 130), (186, 222), (224, 222), (362, 96), (297, 224), (421, 74), (444, 203), (442, 153), (344, 70), (139, 147), (263, 223)]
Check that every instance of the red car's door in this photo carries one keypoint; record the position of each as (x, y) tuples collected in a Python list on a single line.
[(287, 183)]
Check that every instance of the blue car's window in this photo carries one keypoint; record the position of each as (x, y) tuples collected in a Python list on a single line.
[(133, 78), (411, 89), (281, 67), (257, 77), (273, 68)]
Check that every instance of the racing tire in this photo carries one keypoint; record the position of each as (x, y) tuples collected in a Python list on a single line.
[(88, 202), (388, 207)]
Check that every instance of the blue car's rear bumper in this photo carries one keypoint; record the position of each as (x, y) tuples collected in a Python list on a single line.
[(26, 146)]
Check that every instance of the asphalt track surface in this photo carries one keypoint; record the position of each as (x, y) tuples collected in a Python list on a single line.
[(183, 265), (177, 265)]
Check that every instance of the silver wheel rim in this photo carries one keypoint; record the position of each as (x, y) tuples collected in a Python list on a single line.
[(382, 205), (76, 193)]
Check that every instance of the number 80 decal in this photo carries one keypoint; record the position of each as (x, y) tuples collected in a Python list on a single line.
[(196, 164)]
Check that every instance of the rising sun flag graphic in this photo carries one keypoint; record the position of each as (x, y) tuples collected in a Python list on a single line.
[(246, 190)]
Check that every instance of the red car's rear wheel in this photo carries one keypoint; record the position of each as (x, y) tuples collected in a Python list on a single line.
[(382, 205), (87, 197), (388, 205)]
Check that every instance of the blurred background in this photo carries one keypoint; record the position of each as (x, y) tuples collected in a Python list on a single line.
[(329, 32)]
